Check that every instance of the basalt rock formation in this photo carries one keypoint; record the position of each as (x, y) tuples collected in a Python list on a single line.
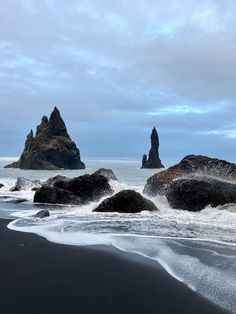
[(153, 161), (108, 173), (80, 190), (51, 148), (188, 168), (195, 194), (126, 201)]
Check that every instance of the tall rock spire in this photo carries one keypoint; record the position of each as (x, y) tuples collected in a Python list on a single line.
[(153, 160)]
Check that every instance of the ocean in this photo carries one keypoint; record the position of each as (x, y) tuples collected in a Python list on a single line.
[(198, 249)]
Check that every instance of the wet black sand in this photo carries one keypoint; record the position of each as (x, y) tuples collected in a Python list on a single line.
[(37, 276)]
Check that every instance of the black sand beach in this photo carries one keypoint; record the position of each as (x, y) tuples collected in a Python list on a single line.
[(38, 276)]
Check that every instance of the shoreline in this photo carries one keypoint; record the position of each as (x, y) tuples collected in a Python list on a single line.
[(38, 276)]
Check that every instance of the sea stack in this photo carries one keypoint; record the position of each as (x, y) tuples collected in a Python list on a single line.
[(153, 161), (51, 148)]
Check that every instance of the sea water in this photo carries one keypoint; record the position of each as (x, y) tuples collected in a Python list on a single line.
[(198, 249)]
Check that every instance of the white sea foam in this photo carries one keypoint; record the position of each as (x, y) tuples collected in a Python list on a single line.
[(195, 248)]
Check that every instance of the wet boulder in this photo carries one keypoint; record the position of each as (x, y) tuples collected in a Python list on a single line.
[(191, 165), (52, 180), (87, 187), (76, 191), (42, 214), (126, 201), (54, 195), (25, 184), (1, 185), (108, 173), (195, 194)]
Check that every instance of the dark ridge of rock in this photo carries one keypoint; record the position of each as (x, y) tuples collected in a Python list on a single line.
[(108, 173), (51, 148), (53, 195), (1, 185), (126, 201), (191, 165), (196, 194), (24, 184), (87, 187), (153, 161), (52, 180), (42, 214)]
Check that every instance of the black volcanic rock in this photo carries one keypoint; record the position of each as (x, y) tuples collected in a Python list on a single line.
[(108, 173), (51, 147), (153, 161), (1, 185), (126, 201), (190, 166), (195, 194), (76, 191), (52, 180), (53, 195), (42, 214), (87, 187)]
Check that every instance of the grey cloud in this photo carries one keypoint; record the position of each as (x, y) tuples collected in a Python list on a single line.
[(115, 69)]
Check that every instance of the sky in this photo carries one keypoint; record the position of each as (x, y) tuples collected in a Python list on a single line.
[(115, 69)]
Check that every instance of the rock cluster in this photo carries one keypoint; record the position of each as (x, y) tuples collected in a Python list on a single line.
[(79, 190), (191, 165), (195, 182), (51, 148)]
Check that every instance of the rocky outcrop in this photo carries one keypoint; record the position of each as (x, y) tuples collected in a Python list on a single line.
[(25, 184), (51, 148), (126, 201), (51, 195), (42, 214), (191, 165), (195, 194), (153, 161), (108, 173), (87, 187), (52, 180), (1, 185), (79, 190)]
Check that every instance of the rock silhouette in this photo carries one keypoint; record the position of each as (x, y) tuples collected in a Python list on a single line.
[(153, 161), (51, 148)]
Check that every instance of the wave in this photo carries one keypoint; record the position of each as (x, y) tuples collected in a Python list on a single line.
[(198, 249)]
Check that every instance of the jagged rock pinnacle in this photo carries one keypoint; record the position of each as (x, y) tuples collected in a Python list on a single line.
[(153, 160), (51, 148)]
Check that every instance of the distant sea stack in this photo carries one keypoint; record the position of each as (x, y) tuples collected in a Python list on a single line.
[(153, 161), (51, 148)]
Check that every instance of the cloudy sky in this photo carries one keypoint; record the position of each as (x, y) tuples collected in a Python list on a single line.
[(116, 68)]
